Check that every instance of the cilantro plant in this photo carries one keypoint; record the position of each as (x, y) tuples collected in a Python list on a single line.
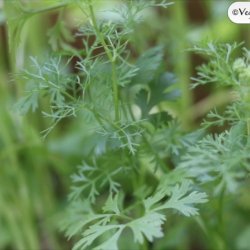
[(139, 166), (220, 161)]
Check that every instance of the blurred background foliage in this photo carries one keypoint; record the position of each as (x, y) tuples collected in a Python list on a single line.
[(34, 173)]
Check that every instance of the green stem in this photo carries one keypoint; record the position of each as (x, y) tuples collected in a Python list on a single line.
[(248, 127), (112, 60), (221, 224), (44, 10), (145, 245), (182, 68)]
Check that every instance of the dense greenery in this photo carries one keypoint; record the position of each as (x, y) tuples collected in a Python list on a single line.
[(104, 147)]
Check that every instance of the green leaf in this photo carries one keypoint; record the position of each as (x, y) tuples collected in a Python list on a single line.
[(148, 226), (112, 242), (126, 72), (78, 215), (90, 180), (148, 64), (219, 69), (184, 202), (95, 231), (161, 89), (111, 204), (180, 198), (222, 158), (60, 38), (29, 102)]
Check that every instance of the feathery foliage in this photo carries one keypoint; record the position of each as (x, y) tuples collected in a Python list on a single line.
[(142, 166)]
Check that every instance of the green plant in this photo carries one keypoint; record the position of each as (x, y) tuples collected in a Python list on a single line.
[(139, 164), (223, 158)]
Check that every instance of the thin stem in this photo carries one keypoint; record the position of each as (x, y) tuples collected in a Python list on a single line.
[(221, 218), (182, 68), (111, 58), (248, 127), (145, 245), (42, 10)]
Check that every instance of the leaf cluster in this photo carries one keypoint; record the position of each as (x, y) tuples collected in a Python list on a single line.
[(140, 165)]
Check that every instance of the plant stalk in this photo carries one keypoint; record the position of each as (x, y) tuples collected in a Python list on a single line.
[(112, 60)]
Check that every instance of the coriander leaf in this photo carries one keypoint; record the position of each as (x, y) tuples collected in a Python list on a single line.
[(111, 204), (180, 199), (148, 64), (184, 202), (112, 242), (95, 231), (148, 225)]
